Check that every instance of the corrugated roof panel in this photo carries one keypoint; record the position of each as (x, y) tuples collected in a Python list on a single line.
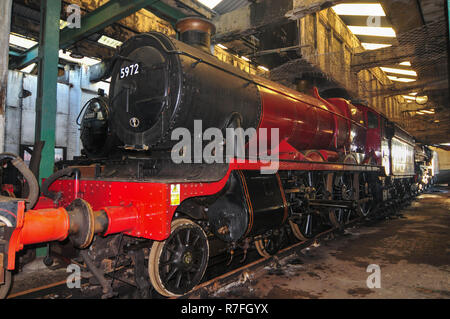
[(229, 5)]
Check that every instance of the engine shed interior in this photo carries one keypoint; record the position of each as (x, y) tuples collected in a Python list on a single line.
[(193, 149)]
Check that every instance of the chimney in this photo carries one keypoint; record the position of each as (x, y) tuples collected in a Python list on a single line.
[(196, 31)]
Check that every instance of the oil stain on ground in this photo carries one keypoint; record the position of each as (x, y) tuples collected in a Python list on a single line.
[(283, 293)]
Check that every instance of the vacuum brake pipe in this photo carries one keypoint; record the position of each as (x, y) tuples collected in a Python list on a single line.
[(69, 171), (33, 185)]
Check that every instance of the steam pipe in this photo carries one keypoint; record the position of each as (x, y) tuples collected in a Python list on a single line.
[(29, 177)]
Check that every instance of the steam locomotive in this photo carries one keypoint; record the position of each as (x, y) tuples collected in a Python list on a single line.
[(128, 203)]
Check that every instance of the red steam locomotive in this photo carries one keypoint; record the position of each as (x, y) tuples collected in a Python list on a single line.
[(126, 202)]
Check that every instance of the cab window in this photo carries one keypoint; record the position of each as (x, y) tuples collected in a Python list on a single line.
[(372, 120)]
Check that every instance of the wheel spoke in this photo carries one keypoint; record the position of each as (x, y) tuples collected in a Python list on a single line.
[(168, 262), (310, 181), (195, 240), (188, 232), (341, 218), (308, 224), (171, 250), (178, 280), (270, 245), (179, 239), (188, 275), (174, 270)]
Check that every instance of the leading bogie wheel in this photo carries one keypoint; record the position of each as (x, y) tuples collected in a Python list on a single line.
[(177, 264)]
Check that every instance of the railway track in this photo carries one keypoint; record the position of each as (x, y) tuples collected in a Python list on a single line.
[(206, 288), (59, 289)]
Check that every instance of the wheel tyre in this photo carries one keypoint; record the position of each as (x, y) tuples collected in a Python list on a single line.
[(334, 219), (155, 257), (296, 231)]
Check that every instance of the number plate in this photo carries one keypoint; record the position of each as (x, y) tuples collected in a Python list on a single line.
[(129, 70)]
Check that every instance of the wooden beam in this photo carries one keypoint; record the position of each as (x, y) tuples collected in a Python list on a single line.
[(196, 7), (380, 57), (248, 19), (376, 39), (404, 88), (362, 20), (302, 8)]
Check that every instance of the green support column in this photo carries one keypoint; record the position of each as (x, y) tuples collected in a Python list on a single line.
[(46, 88), (47, 83)]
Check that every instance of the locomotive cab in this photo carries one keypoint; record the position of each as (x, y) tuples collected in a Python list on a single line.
[(376, 150)]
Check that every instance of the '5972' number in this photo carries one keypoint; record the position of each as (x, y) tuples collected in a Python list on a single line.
[(127, 71)]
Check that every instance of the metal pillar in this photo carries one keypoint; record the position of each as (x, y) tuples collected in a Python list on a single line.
[(45, 126), (5, 13), (47, 83), (46, 88)]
